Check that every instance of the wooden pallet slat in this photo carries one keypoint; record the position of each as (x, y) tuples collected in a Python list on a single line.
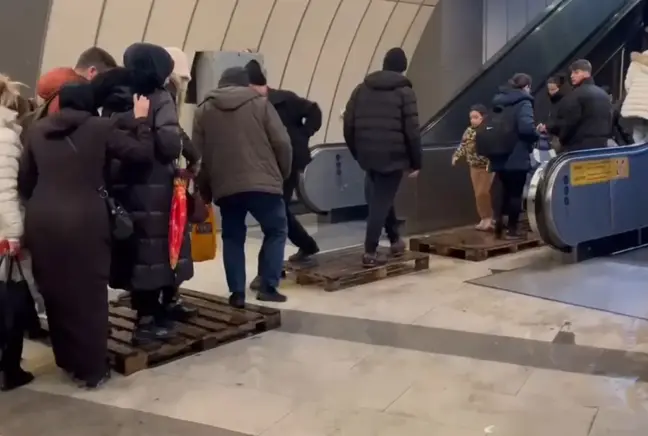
[(341, 269), (471, 244), (215, 324)]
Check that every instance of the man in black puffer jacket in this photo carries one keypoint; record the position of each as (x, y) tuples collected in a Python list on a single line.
[(381, 129)]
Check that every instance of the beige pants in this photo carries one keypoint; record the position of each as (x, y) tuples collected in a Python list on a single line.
[(482, 181)]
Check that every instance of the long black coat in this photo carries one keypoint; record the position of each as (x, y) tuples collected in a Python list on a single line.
[(146, 192), (67, 226)]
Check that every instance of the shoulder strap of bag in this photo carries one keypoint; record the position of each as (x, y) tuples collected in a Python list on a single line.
[(103, 192)]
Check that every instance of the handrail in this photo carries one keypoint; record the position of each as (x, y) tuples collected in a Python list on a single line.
[(496, 59)]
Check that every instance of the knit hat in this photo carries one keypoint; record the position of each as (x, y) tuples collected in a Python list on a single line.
[(234, 76), (255, 73), (51, 82), (395, 60)]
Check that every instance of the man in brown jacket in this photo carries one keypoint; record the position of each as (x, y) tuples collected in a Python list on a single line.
[(247, 156)]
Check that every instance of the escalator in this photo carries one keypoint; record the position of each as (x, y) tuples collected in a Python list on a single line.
[(568, 29)]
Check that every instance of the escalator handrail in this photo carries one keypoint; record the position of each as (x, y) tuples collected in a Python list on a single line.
[(495, 59), (551, 176)]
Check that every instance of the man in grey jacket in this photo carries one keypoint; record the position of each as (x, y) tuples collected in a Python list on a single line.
[(247, 156)]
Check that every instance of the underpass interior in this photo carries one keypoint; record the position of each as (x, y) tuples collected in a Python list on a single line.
[(563, 351)]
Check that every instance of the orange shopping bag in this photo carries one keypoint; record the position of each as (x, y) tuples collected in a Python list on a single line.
[(203, 238)]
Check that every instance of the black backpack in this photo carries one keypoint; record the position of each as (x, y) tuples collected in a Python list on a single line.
[(497, 135)]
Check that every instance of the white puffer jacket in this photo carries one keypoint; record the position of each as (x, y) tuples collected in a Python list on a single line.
[(11, 219), (635, 104), (11, 212)]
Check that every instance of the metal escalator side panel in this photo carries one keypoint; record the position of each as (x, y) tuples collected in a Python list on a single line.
[(332, 180), (594, 194), (540, 54), (532, 198)]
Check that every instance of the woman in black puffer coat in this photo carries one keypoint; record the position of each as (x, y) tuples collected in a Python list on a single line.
[(141, 263)]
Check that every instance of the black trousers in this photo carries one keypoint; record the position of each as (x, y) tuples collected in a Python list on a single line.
[(297, 234), (380, 193), (509, 201), (150, 303)]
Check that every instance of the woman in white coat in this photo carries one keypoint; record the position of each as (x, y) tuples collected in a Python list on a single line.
[(635, 105), (14, 304)]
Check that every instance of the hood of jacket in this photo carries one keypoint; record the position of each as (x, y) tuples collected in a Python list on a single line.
[(150, 64), (562, 92), (640, 59), (231, 98), (509, 97), (62, 123), (387, 80), (278, 96), (9, 118)]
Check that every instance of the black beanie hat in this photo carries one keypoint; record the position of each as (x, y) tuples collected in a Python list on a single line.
[(395, 60), (255, 73), (234, 76)]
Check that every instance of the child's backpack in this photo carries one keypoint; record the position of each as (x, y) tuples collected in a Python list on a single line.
[(497, 135)]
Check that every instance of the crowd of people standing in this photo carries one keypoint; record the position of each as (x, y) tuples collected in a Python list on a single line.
[(581, 116), (87, 182)]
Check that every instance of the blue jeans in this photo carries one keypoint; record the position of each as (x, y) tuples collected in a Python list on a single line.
[(269, 210)]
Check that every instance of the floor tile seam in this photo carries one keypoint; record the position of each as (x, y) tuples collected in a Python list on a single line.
[(396, 324), (565, 350)]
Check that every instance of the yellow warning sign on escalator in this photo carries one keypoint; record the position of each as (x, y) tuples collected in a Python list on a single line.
[(599, 171)]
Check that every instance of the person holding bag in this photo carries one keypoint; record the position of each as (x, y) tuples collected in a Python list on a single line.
[(70, 221), (14, 292), (141, 263)]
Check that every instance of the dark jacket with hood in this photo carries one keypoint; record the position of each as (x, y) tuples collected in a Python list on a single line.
[(584, 118), (302, 118), (244, 144), (520, 158), (381, 126), (146, 190)]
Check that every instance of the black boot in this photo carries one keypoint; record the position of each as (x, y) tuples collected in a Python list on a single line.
[(255, 284), (303, 257), (237, 300), (14, 379), (147, 331), (97, 381), (178, 311), (271, 295)]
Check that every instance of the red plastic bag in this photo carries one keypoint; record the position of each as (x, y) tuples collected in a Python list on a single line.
[(178, 219)]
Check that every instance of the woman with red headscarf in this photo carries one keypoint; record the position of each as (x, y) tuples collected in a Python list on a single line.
[(50, 84)]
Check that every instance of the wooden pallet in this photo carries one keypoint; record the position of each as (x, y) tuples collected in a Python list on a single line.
[(470, 244), (340, 269), (216, 324)]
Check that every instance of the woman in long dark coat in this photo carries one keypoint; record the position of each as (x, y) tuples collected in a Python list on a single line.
[(67, 224), (141, 264)]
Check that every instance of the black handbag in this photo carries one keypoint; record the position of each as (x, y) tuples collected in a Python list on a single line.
[(121, 224), (14, 300)]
